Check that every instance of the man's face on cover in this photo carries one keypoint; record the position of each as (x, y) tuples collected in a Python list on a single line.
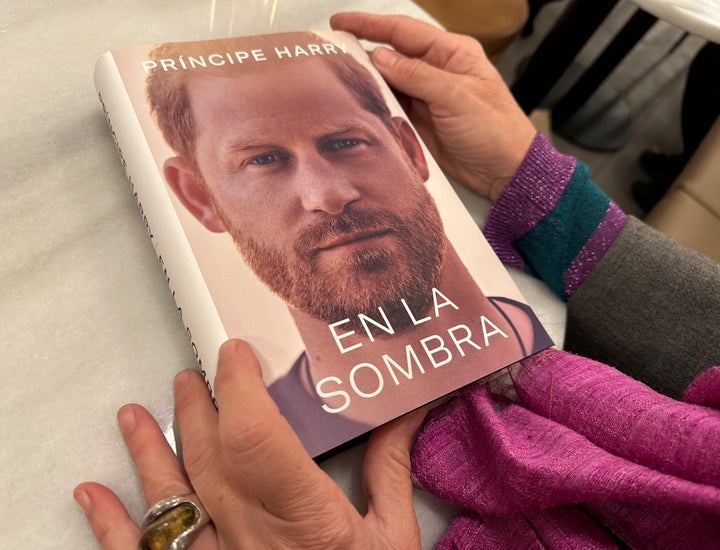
[(327, 205)]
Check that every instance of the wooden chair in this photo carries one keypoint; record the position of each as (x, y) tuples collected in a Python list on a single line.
[(494, 23), (690, 211)]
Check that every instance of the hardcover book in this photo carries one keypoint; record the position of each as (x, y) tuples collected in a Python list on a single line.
[(291, 204)]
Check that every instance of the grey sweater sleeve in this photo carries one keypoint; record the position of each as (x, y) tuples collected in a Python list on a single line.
[(651, 308)]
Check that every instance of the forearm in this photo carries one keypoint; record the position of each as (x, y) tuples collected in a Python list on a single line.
[(636, 299), (651, 308), (552, 221)]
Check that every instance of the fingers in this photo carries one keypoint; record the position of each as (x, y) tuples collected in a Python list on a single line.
[(386, 477), (160, 475), (412, 76), (452, 52), (110, 522), (404, 33), (245, 452), (158, 469), (247, 455), (197, 420), (259, 444), (427, 63)]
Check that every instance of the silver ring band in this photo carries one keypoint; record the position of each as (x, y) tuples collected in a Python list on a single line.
[(172, 523)]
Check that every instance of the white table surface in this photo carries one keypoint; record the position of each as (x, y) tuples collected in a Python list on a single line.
[(698, 17), (87, 321)]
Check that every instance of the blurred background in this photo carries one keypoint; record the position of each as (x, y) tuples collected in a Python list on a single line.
[(626, 86)]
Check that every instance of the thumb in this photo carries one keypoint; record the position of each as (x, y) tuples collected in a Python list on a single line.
[(411, 76), (386, 478)]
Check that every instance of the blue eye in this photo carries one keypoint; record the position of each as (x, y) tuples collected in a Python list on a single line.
[(344, 143), (264, 159)]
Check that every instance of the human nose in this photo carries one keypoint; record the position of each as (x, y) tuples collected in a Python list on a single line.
[(324, 188)]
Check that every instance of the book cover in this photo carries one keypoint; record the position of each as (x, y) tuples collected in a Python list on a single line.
[(292, 204)]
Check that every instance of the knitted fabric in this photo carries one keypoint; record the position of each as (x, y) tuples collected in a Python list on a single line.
[(650, 308), (581, 446), (551, 220), (574, 453)]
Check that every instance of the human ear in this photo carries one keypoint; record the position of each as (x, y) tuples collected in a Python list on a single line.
[(192, 193), (411, 145)]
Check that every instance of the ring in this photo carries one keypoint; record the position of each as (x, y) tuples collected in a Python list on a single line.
[(172, 523)]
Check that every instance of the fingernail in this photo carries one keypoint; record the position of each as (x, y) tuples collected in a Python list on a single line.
[(83, 499), (181, 379), (126, 419), (384, 56), (227, 351)]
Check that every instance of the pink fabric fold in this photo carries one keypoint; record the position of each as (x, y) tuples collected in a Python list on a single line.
[(562, 528), (705, 389), (644, 466)]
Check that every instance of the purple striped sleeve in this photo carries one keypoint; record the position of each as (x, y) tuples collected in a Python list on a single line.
[(530, 195), (595, 247)]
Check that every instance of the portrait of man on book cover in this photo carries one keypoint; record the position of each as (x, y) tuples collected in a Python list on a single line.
[(324, 229)]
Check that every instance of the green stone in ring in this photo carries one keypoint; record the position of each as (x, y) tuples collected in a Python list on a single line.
[(169, 526)]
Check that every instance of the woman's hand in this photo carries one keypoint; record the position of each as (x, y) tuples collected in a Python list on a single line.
[(251, 473), (456, 99)]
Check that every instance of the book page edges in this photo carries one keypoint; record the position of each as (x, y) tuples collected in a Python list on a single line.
[(197, 311)]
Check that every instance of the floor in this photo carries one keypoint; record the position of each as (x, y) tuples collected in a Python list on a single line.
[(649, 84)]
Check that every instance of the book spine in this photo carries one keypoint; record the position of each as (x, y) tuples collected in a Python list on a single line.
[(180, 268)]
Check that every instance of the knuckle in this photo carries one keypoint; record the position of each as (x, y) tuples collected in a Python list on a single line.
[(248, 442), (458, 88), (413, 69), (162, 486), (469, 44), (338, 532), (198, 459), (105, 534)]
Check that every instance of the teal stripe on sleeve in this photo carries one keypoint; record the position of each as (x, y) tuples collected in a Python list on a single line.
[(552, 244)]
